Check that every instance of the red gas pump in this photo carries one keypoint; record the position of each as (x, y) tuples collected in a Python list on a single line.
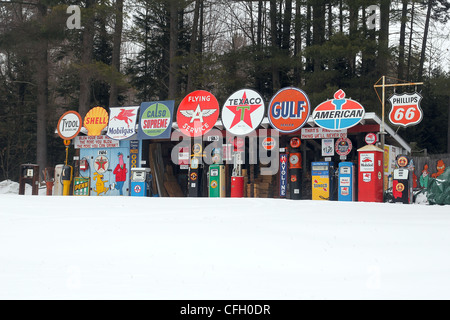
[(370, 176), (237, 180)]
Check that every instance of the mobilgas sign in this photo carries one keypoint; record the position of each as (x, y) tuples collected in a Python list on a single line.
[(338, 113), (242, 112), (122, 122), (289, 110), (156, 120)]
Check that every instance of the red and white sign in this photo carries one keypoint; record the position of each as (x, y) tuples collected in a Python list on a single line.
[(197, 113), (295, 142), (289, 110), (86, 142), (242, 112), (371, 138), (69, 125), (269, 143), (321, 133), (406, 109), (367, 163), (343, 146)]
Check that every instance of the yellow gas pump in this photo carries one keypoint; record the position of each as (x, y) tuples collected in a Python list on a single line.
[(67, 172)]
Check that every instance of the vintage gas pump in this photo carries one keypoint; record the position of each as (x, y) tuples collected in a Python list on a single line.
[(66, 177), (370, 176), (195, 172), (29, 173), (346, 187), (58, 185), (216, 176), (140, 182), (402, 187), (322, 180), (295, 169), (237, 178)]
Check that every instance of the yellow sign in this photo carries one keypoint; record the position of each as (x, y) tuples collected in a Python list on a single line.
[(95, 121), (320, 187)]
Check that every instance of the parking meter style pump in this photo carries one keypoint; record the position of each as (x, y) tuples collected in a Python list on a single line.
[(346, 182), (141, 179)]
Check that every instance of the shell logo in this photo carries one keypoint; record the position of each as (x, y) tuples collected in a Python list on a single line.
[(289, 110), (95, 121)]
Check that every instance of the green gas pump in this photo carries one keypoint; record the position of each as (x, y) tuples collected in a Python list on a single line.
[(216, 176)]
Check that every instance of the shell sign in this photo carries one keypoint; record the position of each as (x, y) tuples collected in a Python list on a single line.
[(289, 110), (95, 121)]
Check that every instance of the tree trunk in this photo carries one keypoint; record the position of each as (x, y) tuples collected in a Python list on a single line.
[(408, 69), (193, 47), (114, 92), (401, 48), (298, 44), (42, 93), (448, 127), (173, 47), (274, 38), (383, 49), (424, 42), (318, 30), (86, 59)]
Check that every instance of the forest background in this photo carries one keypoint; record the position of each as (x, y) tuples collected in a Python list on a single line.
[(57, 56)]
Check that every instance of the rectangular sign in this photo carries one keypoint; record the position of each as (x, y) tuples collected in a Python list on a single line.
[(367, 163), (81, 186), (283, 174), (95, 142), (320, 133), (327, 147), (122, 122)]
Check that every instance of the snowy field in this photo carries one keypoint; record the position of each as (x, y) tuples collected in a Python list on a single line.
[(209, 249)]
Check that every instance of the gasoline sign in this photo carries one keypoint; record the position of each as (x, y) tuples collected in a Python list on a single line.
[(406, 109), (338, 113), (69, 125), (156, 120), (289, 110), (343, 146), (95, 121), (242, 112), (197, 113)]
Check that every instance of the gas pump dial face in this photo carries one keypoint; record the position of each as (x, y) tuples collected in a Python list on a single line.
[(293, 159)]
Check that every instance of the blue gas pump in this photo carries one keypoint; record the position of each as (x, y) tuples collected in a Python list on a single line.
[(346, 186), (140, 182)]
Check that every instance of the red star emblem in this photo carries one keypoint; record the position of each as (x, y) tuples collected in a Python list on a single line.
[(101, 164), (243, 111)]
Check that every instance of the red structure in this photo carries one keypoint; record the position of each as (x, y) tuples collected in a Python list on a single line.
[(370, 176)]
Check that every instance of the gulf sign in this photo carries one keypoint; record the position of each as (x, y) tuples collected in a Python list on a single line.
[(289, 110), (197, 113), (338, 113)]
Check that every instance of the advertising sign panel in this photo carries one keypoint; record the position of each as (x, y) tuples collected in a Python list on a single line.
[(242, 112), (122, 122), (197, 113), (338, 113), (406, 109), (69, 125), (289, 110), (95, 121), (156, 120)]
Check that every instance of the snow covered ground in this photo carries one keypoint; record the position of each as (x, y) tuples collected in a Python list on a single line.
[(209, 249)]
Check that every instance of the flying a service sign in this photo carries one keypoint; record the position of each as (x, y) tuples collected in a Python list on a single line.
[(156, 120), (338, 113), (289, 110), (197, 113), (406, 109), (242, 112), (122, 122)]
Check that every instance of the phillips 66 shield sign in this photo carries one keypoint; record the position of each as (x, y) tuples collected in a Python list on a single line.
[(406, 109)]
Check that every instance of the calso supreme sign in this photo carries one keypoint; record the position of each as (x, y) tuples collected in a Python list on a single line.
[(406, 109)]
